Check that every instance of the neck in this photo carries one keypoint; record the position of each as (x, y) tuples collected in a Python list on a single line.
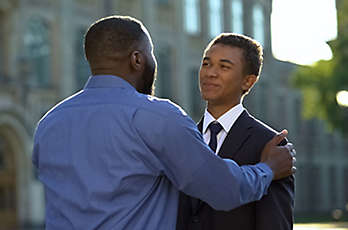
[(217, 110), (122, 74)]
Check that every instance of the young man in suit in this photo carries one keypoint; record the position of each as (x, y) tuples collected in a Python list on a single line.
[(230, 67)]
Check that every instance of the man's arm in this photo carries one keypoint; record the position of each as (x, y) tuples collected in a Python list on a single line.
[(192, 168)]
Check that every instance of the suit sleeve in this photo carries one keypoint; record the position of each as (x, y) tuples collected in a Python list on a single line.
[(275, 210)]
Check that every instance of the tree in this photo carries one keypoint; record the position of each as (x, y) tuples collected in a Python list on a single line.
[(321, 82)]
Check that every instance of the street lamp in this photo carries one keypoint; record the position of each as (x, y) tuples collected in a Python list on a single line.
[(342, 98)]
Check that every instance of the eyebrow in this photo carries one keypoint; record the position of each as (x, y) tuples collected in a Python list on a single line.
[(226, 60), (221, 60)]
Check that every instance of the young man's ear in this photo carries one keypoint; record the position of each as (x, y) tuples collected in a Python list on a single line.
[(249, 82), (137, 60)]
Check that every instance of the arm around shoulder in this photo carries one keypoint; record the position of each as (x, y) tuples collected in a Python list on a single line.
[(192, 168)]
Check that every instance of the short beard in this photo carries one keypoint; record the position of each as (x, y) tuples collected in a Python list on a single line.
[(149, 77)]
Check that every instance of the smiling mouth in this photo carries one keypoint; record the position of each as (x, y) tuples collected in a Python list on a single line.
[(209, 86)]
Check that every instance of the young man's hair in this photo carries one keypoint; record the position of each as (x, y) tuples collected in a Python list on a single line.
[(252, 50), (112, 35)]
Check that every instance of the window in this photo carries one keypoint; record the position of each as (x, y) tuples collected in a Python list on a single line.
[(164, 73), (192, 16), (82, 71), (237, 16), (216, 15), (258, 23), (38, 51)]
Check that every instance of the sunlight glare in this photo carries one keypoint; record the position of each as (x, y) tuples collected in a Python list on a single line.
[(299, 33), (342, 100)]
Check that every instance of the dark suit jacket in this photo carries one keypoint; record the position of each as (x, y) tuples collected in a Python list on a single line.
[(244, 144)]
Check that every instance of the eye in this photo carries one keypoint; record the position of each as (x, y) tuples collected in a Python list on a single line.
[(225, 67), (205, 63)]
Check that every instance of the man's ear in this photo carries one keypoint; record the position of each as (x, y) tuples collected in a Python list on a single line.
[(137, 60), (249, 81)]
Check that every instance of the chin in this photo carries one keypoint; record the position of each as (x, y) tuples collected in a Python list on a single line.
[(208, 96)]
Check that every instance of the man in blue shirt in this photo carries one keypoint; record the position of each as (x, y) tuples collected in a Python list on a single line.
[(114, 157)]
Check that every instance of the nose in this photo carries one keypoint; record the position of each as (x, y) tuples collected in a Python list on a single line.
[(212, 71)]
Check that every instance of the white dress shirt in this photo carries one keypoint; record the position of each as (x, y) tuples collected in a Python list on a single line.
[(226, 120)]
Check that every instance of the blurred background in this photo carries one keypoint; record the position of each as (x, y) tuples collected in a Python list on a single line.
[(303, 85)]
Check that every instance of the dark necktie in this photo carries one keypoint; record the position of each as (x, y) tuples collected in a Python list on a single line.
[(215, 128)]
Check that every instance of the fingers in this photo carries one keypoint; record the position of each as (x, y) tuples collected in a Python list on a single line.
[(293, 161), (290, 147), (279, 137), (293, 169), (293, 152)]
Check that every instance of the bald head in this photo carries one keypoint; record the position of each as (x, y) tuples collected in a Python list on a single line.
[(113, 37)]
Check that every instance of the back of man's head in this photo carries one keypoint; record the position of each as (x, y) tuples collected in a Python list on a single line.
[(113, 37), (252, 50)]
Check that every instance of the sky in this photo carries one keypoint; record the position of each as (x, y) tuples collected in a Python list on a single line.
[(300, 29)]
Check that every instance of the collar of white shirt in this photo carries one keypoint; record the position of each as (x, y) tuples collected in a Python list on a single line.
[(226, 120)]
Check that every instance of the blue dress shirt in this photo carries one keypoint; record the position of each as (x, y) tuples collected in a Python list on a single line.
[(112, 158)]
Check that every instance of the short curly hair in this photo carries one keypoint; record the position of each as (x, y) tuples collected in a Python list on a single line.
[(112, 35), (252, 50)]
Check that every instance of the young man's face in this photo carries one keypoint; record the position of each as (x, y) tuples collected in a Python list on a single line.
[(221, 76)]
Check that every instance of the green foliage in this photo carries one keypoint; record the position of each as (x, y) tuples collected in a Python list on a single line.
[(321, 82)]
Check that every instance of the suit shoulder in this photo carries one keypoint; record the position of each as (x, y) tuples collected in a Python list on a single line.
[(262, 126), (261, 129)]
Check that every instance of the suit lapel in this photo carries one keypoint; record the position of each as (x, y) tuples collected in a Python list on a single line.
[(238, 134)]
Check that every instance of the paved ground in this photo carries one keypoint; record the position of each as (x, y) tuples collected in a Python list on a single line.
[(322, 226), (327, 226)]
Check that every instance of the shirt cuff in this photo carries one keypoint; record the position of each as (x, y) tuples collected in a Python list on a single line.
[(268, 172)]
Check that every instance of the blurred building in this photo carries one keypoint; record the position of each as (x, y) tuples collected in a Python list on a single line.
[(42, 62)]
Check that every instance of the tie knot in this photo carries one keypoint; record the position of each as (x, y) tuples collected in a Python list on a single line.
[(215, 127)]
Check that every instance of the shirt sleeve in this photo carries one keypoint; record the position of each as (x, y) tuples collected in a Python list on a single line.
[(193, 168)]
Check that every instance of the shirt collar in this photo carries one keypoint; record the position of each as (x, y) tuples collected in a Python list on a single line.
[(226, 120), (107, 81)]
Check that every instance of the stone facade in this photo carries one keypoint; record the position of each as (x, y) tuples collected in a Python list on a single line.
[(42, 62)]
